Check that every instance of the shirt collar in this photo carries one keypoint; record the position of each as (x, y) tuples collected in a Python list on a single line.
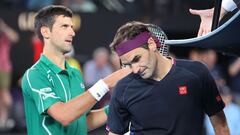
[(54, 67)]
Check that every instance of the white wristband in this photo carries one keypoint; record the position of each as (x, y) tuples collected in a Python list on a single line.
[(229, 5), (99, 89)]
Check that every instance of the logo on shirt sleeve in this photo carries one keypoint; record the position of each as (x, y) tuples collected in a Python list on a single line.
[(47, 92), (182, 90), (218, 98)]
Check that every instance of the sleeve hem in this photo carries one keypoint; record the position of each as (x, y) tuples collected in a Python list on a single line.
[(229, 5), (49, 104)]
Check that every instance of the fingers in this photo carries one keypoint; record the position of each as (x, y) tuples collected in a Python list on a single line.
[(195, 12), (206, 32), (192, 11), (200, 31), (205, 27)]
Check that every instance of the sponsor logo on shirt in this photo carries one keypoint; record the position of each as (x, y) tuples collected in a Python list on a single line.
[(82, 86), (47, 92), (182, 90), (50, 79)]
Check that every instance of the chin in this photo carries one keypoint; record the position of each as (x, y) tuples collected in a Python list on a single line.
[(67, 50)]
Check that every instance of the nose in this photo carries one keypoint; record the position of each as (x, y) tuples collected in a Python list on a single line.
[(72, 33), (135, 68)]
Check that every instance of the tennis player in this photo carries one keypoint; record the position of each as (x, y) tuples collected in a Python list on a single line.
[(162, 96), (55, 100)]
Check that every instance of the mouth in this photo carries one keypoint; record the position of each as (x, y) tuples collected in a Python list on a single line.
[(142, 73), (68, 41)]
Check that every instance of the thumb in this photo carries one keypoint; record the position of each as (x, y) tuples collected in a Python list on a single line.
[(194, 11)]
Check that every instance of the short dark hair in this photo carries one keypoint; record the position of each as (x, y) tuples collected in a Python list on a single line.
[(46, 17), (127, 32)]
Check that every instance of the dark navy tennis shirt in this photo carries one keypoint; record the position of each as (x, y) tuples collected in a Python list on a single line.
[(173, 106)]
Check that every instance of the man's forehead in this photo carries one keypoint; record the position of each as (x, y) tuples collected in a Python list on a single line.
[(61, 19)]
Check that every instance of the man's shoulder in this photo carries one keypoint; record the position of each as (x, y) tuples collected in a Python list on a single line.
[(188, 63), (195, 68), (36, 71), (191, 65), (126, 81), (129, 78)]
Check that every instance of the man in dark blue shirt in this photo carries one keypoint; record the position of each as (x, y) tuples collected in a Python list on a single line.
[(162, 96)]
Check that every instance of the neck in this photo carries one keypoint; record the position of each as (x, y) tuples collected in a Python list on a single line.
[(56, 57), (163, 67)]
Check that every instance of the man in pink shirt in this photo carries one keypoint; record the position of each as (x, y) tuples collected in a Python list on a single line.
[(7, 36)]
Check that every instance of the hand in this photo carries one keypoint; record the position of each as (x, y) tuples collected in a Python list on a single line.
[(113, 78), (206, 20)]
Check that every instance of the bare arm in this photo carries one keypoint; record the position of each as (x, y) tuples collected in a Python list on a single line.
[(110, 133), (11, 34), (234, 68), (96, 118), (219, 124), (67, 112)]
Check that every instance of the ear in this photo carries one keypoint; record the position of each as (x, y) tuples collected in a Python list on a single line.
[(152, 44), (45, 31)]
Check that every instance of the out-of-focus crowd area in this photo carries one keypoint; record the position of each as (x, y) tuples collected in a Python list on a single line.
[(95, 22)]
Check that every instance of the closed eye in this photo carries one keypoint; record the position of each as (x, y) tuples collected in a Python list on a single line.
[(134, 60)]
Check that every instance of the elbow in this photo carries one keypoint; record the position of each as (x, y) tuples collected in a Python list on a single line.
[(65, 121)]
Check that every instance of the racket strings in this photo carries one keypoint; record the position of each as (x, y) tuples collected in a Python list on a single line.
[(161, 36)]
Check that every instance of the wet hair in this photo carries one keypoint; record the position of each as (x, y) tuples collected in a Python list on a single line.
[(47, 15)]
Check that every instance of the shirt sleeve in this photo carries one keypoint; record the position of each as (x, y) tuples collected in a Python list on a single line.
[(237, 3), (213, 102), (118, 117), (39, 89), (229, 5)]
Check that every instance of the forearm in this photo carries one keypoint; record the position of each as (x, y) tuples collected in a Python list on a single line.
[(11, 34), (110, 133), (96, 118), (223, 12), (220, 124), (234, 68), (222, 131), (67, 112)]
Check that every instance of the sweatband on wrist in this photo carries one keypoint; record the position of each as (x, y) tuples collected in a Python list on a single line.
[(229, 5), (106, 109), (99, 89)]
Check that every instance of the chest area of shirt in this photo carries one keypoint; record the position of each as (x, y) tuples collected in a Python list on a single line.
[(66, 86), (179, 94)]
